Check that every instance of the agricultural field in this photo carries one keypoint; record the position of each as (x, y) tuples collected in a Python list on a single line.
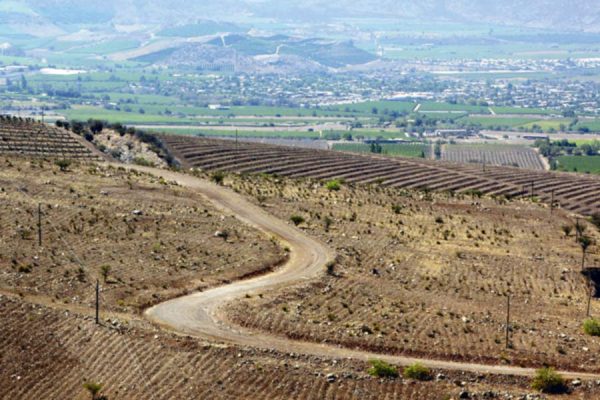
[(438, 106), (35, 352), (26, 137), (584, 164), (145, 239), (497, 122), (575, 192), (427, 275), (402, 150), (493, 154), (519, 110)]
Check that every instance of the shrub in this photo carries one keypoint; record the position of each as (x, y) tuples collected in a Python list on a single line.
[(218, 177), (331, 268), (591, 326), (333, 185), (439, 220), (416, 371), (327, 223), (63, 164), (105, 271), (596, 219), (93, 388), (381, 369), (143, 162), (297, 219), (397, 208), (547, 380)]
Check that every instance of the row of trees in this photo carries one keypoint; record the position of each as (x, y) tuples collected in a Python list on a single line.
[(92, 127)]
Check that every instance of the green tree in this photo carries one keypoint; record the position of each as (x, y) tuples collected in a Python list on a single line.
[(547, 380), (63, 164)]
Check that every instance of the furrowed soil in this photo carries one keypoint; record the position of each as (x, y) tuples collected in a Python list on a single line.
[(162, 240), (48, 353), (427, 275), (144, 239)]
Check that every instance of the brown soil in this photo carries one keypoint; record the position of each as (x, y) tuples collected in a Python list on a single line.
[(430, 277), (157, 239)]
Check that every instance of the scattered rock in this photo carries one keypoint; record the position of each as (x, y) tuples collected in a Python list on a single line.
[(137, 212), (464, 395), (331, 378)]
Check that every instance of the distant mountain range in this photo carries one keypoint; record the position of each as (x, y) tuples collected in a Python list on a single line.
[(578, 15)]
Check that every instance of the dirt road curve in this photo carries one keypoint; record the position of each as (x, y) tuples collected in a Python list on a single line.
[(199, 314)]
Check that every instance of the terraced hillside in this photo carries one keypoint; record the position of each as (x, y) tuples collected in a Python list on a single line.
[(577, 193), (33, 139)]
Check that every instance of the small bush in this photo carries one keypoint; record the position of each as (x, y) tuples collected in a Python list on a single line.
[(94, 389), (297, 219), (397, 208), (416, 371), (105, 271), (331, 268), (591, 326), (333, 185), (381, 369), (218, 177), (547, 380), (25, 269), (63, 164), (143, 162)]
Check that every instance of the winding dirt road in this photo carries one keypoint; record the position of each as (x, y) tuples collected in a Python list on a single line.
[(200, 314)]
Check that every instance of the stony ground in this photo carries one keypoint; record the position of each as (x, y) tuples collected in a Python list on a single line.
[(49, 353), (127, 149), (428, 275), (159, 240), (144, 239)]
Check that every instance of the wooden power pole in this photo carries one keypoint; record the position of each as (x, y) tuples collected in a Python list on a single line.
[(40, 224), (590, 296), (97, 302), (532, 191), (507, 319), (552, 202)]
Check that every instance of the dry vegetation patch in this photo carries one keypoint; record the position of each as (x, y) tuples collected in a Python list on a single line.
[(428, 274), (145, 239)]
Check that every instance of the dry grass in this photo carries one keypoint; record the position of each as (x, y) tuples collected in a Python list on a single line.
[(158, 240), (427, 275)]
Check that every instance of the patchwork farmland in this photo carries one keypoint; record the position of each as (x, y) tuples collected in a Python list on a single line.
[(493, 154), (577, 193)]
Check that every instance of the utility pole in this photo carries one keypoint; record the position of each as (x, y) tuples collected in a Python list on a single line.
[(97, 302), (531, 190), (507, 318), (590, 296), (552, 202), (40, 224), (236, 139)]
